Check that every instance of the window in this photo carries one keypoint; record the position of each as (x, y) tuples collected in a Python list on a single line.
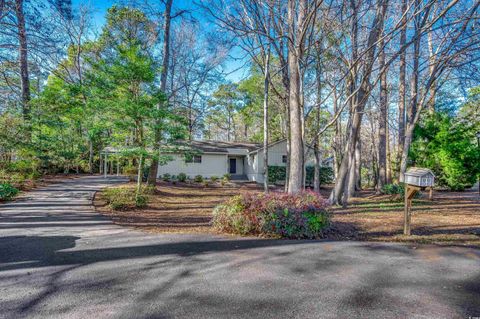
[(284, 158), (193, 159)]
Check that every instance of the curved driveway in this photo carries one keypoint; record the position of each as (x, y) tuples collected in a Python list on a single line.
[(59, 259)]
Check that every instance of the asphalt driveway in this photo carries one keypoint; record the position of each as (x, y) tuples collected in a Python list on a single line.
[(59, 259)]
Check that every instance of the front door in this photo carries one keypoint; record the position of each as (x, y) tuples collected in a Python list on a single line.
[(233, 166)]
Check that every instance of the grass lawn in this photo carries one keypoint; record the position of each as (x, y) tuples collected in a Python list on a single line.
[(450, 218)]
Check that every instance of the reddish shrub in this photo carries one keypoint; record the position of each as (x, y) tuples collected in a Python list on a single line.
[(302, 215)]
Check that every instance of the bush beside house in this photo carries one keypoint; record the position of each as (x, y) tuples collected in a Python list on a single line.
[(277, 174), (282, 215)]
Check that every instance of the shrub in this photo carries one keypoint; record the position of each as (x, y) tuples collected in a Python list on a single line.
[(7, 191), (182, 177), (166, 177), (198, 179), (214, 179), (277, 174), (149, 189), (302, 215), (121, 198), (397, 189), (23, 166), (130, 170), (392, 189), (205, 183), (18, 180), (227, 177)]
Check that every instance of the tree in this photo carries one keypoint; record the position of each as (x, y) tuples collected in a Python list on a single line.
[(23, 58), (152, 177), (448, 147)]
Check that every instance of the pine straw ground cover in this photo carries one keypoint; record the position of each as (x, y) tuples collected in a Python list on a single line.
[(179, 207), (451, 218)]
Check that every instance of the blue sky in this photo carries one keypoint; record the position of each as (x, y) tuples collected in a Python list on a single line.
[(233, 68)]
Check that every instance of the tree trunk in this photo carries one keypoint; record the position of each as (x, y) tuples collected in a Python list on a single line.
[(90, 155), (358, 166), (318, 161), (265, 119), (431, 69), (412, 107), (352, 178), (402, 83), (382, 123), (23, 59), (152, 176), (139, 176), (295, 180), (287, 164), (360, 101)]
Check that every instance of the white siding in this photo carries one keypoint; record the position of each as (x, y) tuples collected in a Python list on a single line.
[(254, 166), (217, 164), (211, 165), (251, 168)]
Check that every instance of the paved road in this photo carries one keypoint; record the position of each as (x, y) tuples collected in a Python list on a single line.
[(58, 259)]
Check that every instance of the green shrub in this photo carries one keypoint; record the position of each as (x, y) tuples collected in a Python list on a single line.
[(392, 189), (227, 177), (23, 166), (182, 177), (122, 198), (166, 177), (7, 191), (18, 180), (446, 144), (277, 174), (301, 215), (214, 179), (397, 189), (198, 179), (205, 183)]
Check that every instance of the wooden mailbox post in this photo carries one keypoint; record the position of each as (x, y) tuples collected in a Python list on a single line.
[(415, 179)]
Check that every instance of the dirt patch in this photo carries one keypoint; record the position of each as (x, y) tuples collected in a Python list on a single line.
[(450, 218)]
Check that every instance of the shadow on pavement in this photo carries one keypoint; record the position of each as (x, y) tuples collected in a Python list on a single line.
[(27, 251)]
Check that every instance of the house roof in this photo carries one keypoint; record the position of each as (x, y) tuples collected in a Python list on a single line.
[(260, 147), (209, 146)]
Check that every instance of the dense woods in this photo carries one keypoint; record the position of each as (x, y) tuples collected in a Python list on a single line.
[(375, 85)]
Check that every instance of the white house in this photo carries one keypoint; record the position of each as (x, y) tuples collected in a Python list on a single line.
[(244, 161), (216, 158)]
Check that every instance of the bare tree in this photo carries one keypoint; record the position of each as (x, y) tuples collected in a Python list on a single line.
[(23, 58)]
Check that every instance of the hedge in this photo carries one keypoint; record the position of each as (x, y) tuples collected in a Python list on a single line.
[(277, 174)]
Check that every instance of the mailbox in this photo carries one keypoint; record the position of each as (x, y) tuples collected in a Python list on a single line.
[(421, 177), (415, 179)]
